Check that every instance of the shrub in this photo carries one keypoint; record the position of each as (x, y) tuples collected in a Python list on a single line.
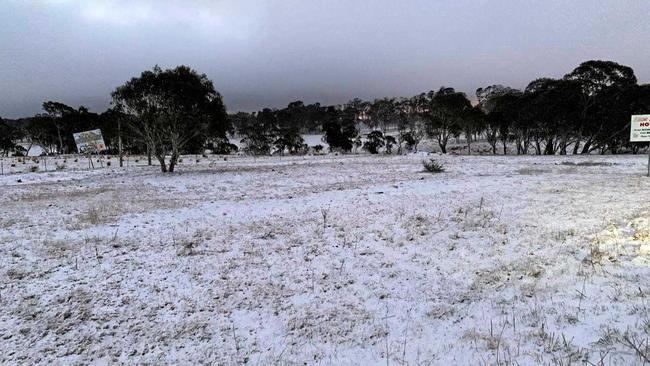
[(33, 169), (317, 148), (432, 166)]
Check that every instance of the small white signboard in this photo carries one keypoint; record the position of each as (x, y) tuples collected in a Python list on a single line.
[(640, 128), (89, 141)]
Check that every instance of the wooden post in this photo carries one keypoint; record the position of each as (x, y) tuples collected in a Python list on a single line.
[(119, 140)]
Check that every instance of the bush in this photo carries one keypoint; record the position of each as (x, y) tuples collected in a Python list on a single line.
[(317, 148), (432, 166), (33, 169)]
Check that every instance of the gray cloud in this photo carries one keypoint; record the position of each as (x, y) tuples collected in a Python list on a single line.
[(269, 53)]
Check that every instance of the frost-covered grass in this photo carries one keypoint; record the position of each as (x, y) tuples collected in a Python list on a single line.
[(341, 260)]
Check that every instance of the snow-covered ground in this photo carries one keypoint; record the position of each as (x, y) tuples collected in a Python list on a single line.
[(332, 260)]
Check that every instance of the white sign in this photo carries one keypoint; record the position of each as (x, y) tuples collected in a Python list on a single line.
[(89, 141), (640, 129)]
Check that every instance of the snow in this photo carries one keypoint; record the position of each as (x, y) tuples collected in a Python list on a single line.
[(341, 260)]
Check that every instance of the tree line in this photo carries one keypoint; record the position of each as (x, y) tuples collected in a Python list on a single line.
[(165, 113)]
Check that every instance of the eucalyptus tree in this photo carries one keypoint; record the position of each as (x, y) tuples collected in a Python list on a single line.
[(602, 83), (444, 112), (57, 112), (491, 101), (261, 132), (339, 128), (171, 108), (9, 135)]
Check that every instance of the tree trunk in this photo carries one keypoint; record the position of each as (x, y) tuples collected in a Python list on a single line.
[(443, 146), (58, 132), (119, 142), (163, 165), (563, 146), (548, 149), (172, 164), (526, 146), (586, 149), (576, 147), (31, 143)]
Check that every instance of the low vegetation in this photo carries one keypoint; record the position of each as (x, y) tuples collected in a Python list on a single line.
[(433, 166)]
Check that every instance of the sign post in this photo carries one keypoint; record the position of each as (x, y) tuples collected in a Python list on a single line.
[(89, 142), (640, 131)]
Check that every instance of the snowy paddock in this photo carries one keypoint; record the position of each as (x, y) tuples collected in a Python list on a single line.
[(328, 260)]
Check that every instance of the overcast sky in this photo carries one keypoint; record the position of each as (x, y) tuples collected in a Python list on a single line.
[(271, 52)]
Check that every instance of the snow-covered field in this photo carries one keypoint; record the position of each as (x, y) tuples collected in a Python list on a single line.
[(331, 260)]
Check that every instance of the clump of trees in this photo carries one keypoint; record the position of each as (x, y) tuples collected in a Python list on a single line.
[(165, 113), (273, 131), (585, 111), (270, 131)]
